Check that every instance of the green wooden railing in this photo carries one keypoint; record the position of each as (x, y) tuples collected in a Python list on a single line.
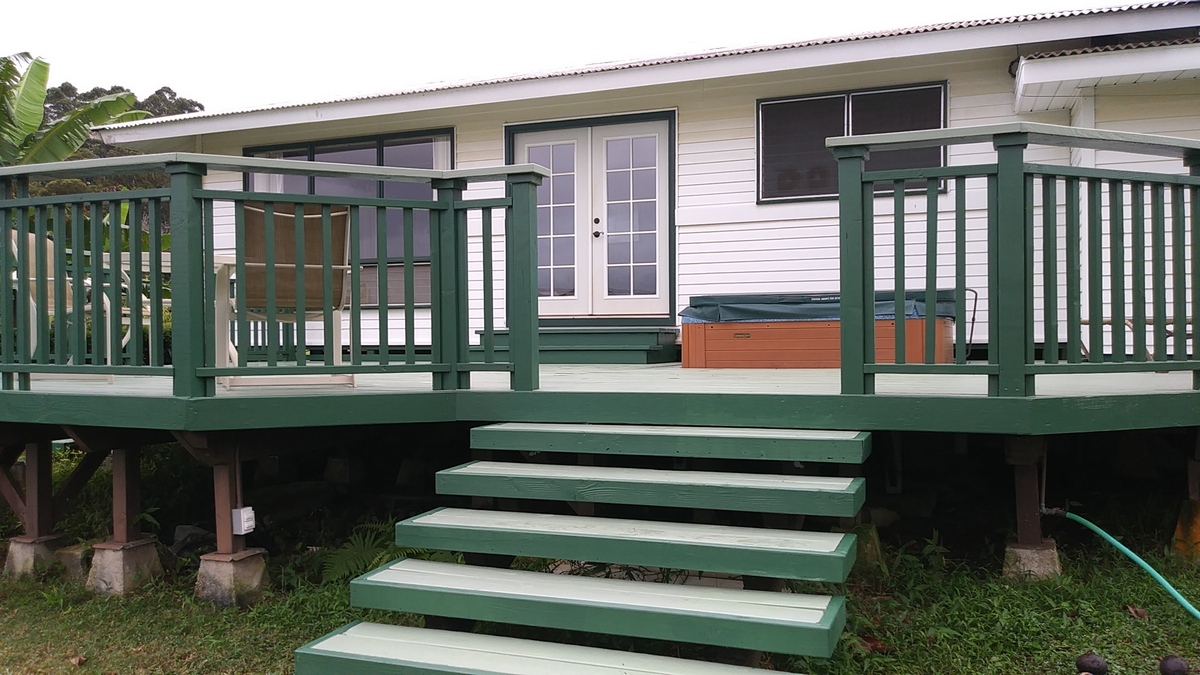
[(138, 266), (1034, 238)]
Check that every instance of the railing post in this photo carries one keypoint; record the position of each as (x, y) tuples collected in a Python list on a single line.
[(448, 248), (187, 282), (1010, 328), (857, 296), (520, 243)]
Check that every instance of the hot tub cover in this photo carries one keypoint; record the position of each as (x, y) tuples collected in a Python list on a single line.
[(805, 307)]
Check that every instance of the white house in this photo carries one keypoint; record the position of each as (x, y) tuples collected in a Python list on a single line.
[(708, 174)]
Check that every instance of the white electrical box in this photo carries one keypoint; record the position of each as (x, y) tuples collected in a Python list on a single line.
[(243, 520)]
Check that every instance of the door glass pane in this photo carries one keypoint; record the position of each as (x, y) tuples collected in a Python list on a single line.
[(631, 199), (556, 219)]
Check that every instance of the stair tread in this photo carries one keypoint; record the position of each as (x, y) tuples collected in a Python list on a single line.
[(407, 648), (683, 533), (792, 609), (814, 445), (819, 556), (770, 493), (662, 430), (772, 481)]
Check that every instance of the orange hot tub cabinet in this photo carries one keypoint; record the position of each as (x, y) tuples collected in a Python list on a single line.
[(802, 344)]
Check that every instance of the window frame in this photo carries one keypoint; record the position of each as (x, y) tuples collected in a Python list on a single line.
[(846, 95), (380, 140)]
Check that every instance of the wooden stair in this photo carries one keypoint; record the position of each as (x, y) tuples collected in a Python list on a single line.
[(790, 623)]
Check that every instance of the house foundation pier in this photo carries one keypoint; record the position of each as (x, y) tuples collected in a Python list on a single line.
[(34, 548), (1030, 555), (234, 575)]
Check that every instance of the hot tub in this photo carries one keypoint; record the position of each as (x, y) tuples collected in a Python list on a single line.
[(802, 331)]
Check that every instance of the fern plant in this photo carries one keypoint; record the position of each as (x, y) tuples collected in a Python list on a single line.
[(371, 545)]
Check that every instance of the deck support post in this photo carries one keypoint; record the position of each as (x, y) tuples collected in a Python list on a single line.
[(233, 576), (128, 560), (36, 546), (1030, 556)]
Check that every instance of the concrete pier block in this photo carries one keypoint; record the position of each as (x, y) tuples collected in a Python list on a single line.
[(76, 560), (233, 579), (1032, 562), (120, 567), (27, 554)]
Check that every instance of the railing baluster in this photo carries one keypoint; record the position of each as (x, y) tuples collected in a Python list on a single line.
[(1137, 230), (301, 300), (330, 341), (96, 292), (270, 284), (241, 308), (1194, 237), (136, 309), (59, 275), (1049, 268), (1074, 282), (116, 355), (1116, 266), (1158, 239), (79, 241), (993, 284), (1030, 341), (1095, 228), (898, 271), (931, 269), (42, 290), (867, 298), (1179, 273), (215, 308), (157, 317), (960, 269), (355, 288), (381, 269), (489, 328), (410, 293), (21, 189), (7, 288)]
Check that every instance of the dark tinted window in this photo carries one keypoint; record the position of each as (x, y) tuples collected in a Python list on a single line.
[(793, 159)]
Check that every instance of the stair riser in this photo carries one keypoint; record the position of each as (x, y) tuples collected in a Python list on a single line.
[(834, 566), (841, 505), (311, 663), (816, 640), (600, 443)]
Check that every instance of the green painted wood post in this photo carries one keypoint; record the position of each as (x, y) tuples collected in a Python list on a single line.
[(1192, 162), (857, 300), (187, 281), (521, 293), (450, 302), (1011, 325)]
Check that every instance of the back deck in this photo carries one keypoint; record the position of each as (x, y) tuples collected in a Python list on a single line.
[(632, 394)]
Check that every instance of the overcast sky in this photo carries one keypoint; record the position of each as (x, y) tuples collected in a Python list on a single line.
[(232, 55)]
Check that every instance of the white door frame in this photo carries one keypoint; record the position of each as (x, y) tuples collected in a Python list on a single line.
[(605, 241)]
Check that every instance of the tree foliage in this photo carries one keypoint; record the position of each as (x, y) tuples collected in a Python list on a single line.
[(27, 136)]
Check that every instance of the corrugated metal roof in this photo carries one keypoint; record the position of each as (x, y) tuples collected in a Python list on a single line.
[(1113, 48), (715, 54)]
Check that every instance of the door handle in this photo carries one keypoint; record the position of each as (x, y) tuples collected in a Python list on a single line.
[(597, 234)]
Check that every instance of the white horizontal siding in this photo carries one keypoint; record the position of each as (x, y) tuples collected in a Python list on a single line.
[(728, 243)]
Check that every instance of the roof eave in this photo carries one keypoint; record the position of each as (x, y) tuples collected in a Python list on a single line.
[(175, 133)]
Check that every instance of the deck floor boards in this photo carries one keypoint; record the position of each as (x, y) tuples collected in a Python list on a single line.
[(663, 378)]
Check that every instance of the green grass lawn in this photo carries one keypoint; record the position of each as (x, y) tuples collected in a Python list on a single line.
[(920, 615)]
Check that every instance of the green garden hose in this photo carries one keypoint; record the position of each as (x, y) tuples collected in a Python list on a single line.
[(1132, 556)]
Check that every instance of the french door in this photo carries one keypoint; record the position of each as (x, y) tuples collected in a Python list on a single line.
[(602, 219)]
